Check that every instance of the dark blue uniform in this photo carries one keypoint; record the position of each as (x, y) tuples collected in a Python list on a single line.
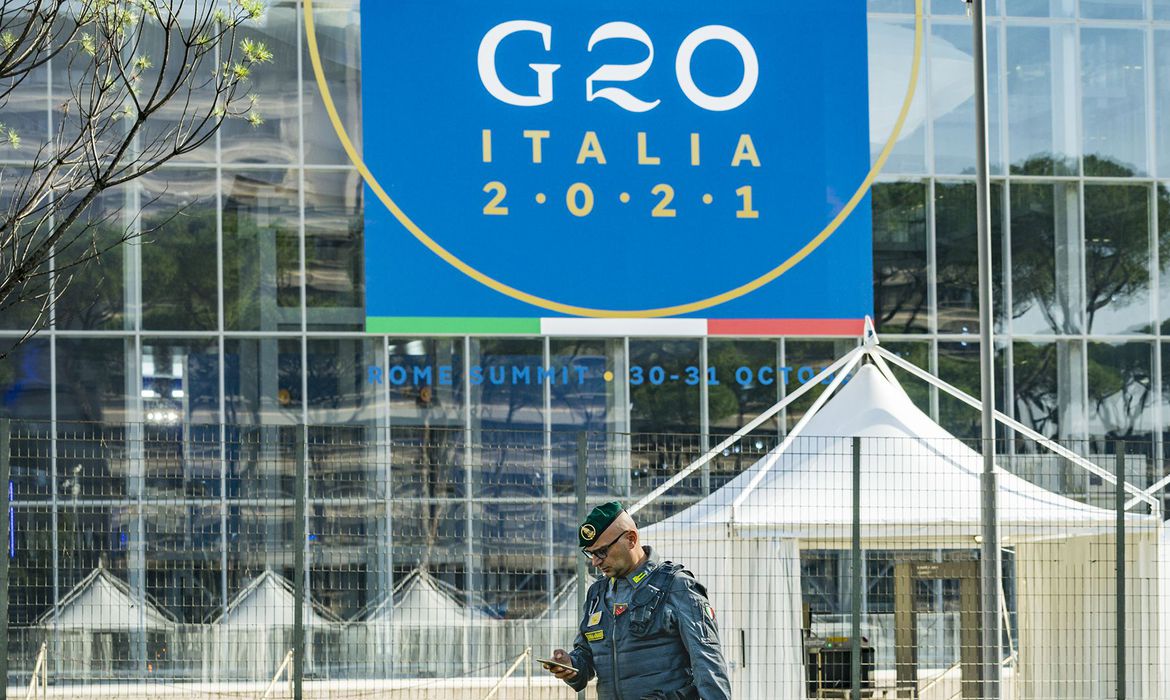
[(650, 635)]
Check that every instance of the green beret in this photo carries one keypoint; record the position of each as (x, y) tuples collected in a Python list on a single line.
[(599, 518)]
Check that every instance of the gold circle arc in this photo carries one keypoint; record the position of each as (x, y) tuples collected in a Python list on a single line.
[(570, 309)]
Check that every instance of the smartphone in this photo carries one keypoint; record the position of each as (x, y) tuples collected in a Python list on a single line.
[(555, 664)]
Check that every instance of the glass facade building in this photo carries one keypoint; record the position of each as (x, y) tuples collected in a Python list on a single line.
[(193, 353)]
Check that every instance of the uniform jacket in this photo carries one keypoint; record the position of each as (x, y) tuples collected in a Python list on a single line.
[(665, 640)]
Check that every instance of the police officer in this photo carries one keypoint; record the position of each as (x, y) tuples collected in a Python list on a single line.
[(648, 631)]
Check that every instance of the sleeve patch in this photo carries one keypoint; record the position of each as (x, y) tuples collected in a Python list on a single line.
[(709, 611)]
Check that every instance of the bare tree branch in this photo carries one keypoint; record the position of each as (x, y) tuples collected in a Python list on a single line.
[(145, 83)]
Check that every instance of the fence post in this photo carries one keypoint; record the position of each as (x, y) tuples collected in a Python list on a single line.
[(855, 571), (1121, 680), (298, 566), (582, 505), (5, 504)]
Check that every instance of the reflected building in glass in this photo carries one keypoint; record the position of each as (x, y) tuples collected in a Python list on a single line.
[(191, 356)]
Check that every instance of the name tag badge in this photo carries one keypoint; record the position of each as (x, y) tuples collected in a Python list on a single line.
[(595, 635), (595, 619)]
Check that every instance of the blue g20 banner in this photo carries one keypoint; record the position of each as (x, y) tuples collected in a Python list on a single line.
[(532, 159)]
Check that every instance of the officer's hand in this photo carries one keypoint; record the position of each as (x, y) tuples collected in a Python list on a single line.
[(561, 673)]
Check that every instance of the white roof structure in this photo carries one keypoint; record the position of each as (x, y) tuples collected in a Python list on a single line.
[(918, 481), (422, 600), (269, 601), (102, 602)]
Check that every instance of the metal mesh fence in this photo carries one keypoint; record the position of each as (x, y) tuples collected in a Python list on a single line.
[(291, 561)]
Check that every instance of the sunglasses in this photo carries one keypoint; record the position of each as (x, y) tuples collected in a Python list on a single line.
[(602, 552)]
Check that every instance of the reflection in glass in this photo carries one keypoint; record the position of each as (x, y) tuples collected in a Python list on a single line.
[(183, 568), (1046, 258), (25, 106), (334, 261), (92, 417), (751, 384), (957, 256), (338, 24), (1121, 392), (1113, 81), (1043, 135), (958, 365), (1040, 8), (1113, 9), (664, 412), (276, 84), (807, 358), (261, 250), (180, 409), (1162, 97), (953, 98), (342, 391), (179, 256), (891, 48), (425, 382), (1163, 203), (1117, 258), (899, 257), (508, 415), (93, 297), (262, 381), (589, 402)]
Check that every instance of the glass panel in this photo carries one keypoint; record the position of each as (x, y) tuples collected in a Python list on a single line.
[(334, 260), (1043, 135), (1121, 392), (183, 545), (94, 295), (1113, 82), (25, 379), (1161, 9), (91, 413), (899, 257), (507, 409), (891, 50), (179, 257), (1162, 98), (425, 380), (957, 256), (340, 388), (1117, 258), (750, 385), (261, 250), (1046, 396), (806, 359), (26, 111), (1046, 258), (898, 6), (21, 306), (958, 365), (1040, 8), (31, 570), (952, 93), (664, 412), (276, 84), (1113, 9), (1163, 204), (588, 392), (262, 381), (339, 42)]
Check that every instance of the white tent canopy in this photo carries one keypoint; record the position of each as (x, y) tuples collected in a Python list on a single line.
[(270, 600), (252, 635), (103, 602), (920, 489)]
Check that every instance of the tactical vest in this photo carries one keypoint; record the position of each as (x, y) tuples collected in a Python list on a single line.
[(640, 652)]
